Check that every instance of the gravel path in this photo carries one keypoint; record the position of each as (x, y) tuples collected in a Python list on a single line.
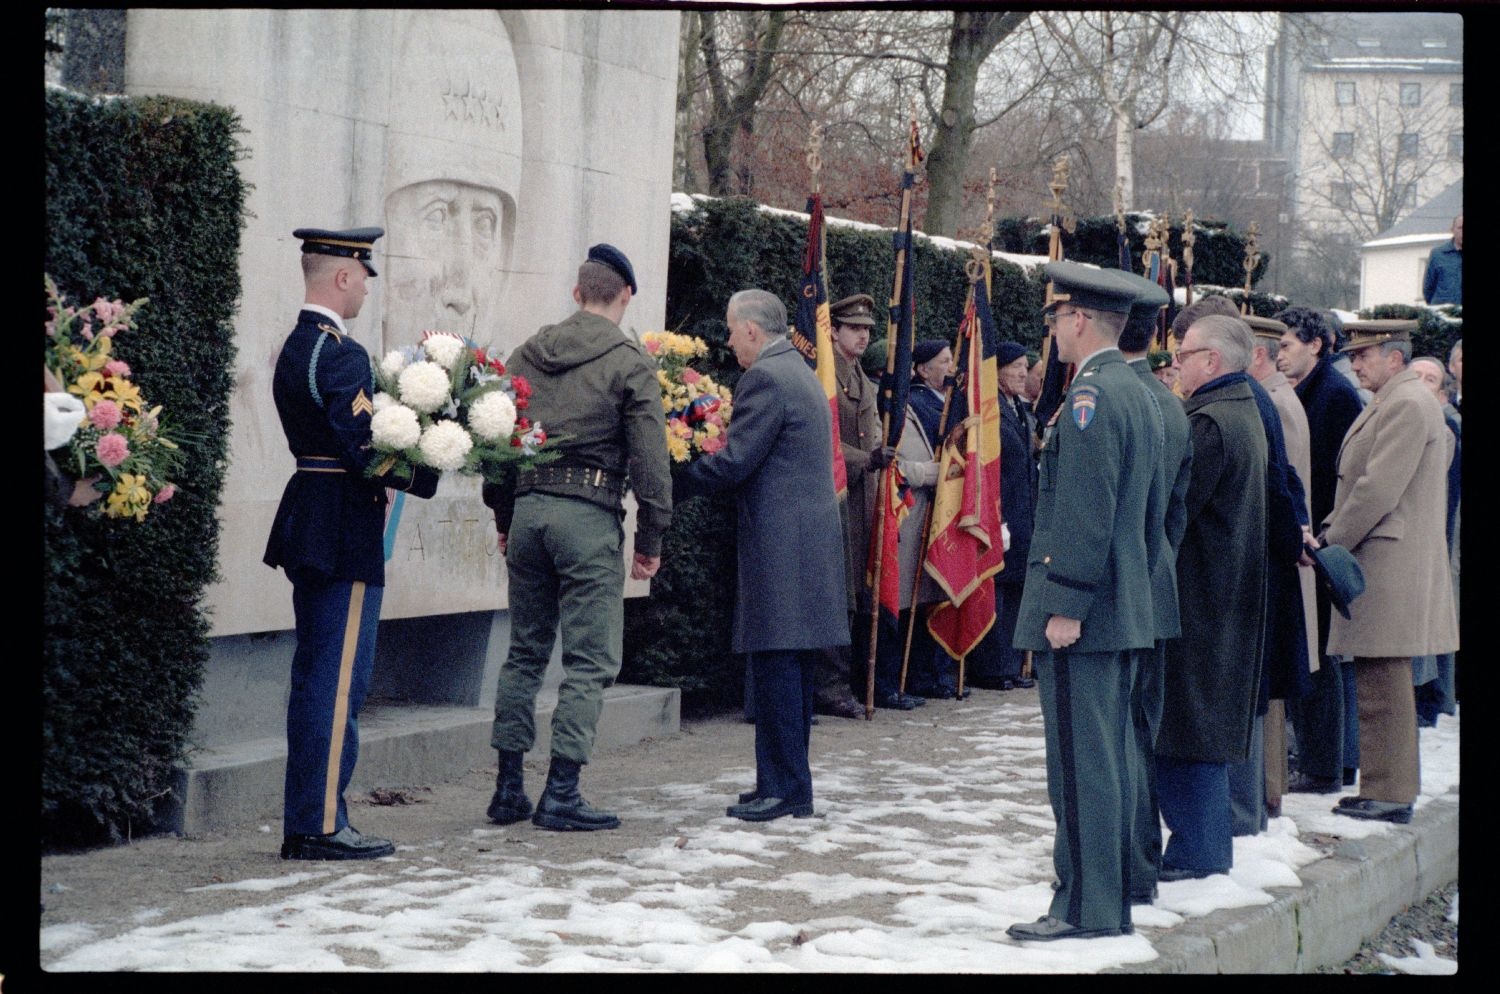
[(1427, 922)]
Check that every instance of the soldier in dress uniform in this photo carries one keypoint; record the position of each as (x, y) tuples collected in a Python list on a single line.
[(1087, 607), (327, 535)]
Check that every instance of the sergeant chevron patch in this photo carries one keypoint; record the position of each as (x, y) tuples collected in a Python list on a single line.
[(361, 403)]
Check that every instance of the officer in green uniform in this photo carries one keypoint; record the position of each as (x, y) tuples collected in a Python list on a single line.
[(1087, 606), (561, 530)]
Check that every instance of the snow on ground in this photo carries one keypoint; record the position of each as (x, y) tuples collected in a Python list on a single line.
[(940, 853), (1426, 962)]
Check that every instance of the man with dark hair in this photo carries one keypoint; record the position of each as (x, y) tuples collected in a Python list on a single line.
[(328, 536), (1213, 669), (1443, 283), (1201, 308), (560, 531), (1389, 510), (1326, 720), (790, 604), (1087, 606)]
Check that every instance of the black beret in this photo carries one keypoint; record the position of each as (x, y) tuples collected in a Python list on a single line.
[(353, 243), (1008, 353), (612, 257), (927, 349)]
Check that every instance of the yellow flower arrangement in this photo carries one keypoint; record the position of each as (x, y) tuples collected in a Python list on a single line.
[(697, 408)]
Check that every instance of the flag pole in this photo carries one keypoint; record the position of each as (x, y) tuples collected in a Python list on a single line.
[(903, 226), (1252, 259), (1188, 239)]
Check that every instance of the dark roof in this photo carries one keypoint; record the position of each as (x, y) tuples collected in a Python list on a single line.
[(1425, 41), (1431, 218)]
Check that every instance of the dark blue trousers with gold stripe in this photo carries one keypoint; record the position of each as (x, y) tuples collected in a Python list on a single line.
[(1087, 715), (331, 670)]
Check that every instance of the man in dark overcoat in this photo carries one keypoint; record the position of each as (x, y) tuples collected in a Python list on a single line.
[(1087, 605), (328, 537), (1326, 720), (790, 603), (1213, 670), (1166, 520)]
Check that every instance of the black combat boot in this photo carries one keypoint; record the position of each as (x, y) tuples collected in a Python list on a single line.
[(562, 809), (509, 805)]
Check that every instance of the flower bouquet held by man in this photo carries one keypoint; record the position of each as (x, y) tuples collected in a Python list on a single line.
[(696, 407)]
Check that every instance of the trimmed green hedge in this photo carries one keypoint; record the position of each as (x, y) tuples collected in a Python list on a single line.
[(1437, 328), (142, 200), (1218, 253)]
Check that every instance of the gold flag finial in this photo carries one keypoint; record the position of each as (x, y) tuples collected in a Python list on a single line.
[(1153, 245), (1252, 259)]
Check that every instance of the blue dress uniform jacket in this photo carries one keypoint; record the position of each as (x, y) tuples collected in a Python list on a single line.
[(328, 537), (332, 517)]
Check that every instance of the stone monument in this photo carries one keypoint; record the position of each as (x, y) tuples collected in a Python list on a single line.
[(494, 147)]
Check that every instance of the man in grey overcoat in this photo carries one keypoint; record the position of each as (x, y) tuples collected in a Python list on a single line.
[(791, 599), (1390, 510), (1212, 674)]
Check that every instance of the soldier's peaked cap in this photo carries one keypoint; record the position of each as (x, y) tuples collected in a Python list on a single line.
[(858, 309), (353, 243), (607, 255), (1264, 327), (1363, 334), (1150, 298), (1085, 286)]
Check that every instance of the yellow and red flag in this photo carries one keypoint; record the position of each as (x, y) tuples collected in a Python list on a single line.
[(812, 334), (965, 549)]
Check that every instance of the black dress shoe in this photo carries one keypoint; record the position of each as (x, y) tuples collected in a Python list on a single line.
[(1170, 874), (1371, 810), (1025, 682), (346, 843), (1144, 897), (748, 796), (844, 707), (899, 702), (1047, 928), (1303, 783), (769, 809)]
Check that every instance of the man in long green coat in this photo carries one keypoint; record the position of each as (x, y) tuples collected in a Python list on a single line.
[(1087, 605)]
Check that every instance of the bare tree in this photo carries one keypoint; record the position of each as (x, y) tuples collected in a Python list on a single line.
[(734, 95)]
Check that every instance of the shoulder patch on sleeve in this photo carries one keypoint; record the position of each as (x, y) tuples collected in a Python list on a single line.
[(1084, 400), (361, 403)]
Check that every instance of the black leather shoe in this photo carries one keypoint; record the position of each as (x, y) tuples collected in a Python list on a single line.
[(1303, 783), (844, 707), (899, 702), (1144, 897), (1047, 928), (562, 809), (769, 809), (1169, 874), (1370, 810), (346, 843), (1025, 682), (749, 796)]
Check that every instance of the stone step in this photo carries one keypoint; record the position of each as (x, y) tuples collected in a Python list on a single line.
[(399, 746)]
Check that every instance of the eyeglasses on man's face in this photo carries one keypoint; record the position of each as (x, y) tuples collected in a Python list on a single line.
[(1183, 354), (1051, 319)]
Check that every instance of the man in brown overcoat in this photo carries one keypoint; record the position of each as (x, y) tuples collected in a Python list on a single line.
[(1390, 510)]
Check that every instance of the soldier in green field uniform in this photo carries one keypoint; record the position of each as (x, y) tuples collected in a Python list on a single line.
[(560, 529), (1087, 605)]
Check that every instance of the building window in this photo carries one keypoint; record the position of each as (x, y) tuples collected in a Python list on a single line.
[(1455, 94), (1407, 197), (1344, 94), (1411, 94), (1343, 144), (1455, 144), (1409, 146), (1341, 195)]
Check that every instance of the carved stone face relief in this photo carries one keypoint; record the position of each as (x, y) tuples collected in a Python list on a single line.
[(448, 254)]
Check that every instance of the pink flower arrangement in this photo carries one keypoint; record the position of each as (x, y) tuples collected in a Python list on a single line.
[(691, 376), (117, 367), (165, 494), (105, 415), (112, 449)]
